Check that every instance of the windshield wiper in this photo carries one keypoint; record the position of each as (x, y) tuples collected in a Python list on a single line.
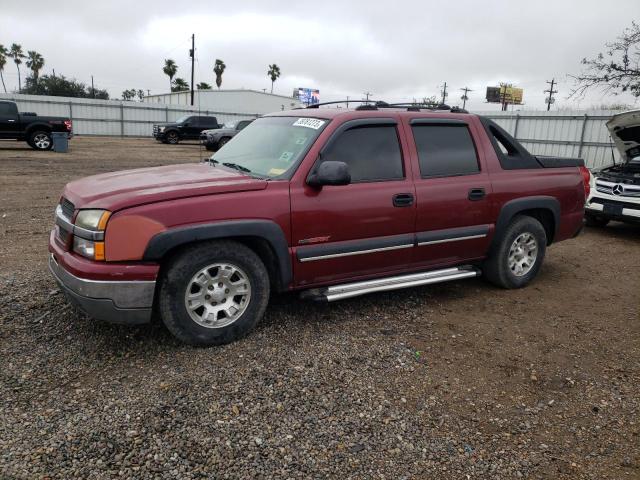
[(236, 167)]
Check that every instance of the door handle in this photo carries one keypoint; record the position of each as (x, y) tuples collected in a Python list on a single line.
[(476, 194), (403, 200)]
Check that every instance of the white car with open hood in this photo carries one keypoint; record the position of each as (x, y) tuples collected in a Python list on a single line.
[(615, 190)]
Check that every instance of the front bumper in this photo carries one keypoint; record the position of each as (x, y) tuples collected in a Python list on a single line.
[(613, 208), (128, 302)]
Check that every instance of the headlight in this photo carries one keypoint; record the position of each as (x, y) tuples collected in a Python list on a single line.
[(88, 231), (88, 248), (161, 129), (95, 220)]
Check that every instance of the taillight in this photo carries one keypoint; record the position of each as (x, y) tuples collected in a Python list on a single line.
[(68, 124), (586, 181)]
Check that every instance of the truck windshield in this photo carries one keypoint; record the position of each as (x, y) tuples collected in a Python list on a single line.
[(182, 119), (270, 146)]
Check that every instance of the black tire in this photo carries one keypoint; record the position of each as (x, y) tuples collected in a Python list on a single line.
[(177, 278), (172, 137), (496, 268), (596, 221), (40, 140), (210, 148), (222, 142)]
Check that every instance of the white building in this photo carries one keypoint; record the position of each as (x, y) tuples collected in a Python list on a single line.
[(250, 102)]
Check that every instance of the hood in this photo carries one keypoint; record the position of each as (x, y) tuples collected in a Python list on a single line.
[(213, 131), (166, 124), (117, 190), (625, 132)]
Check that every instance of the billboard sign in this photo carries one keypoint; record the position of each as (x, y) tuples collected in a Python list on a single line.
[(505, 94), (308, 96)]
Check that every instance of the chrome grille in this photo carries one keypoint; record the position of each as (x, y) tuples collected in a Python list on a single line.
[(617, 189), (68, 208)]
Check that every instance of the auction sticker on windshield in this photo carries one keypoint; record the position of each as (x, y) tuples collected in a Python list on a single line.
[(309, 123)]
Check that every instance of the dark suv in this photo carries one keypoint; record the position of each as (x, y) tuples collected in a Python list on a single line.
[(333, 203), (187, 127), (215, 139)]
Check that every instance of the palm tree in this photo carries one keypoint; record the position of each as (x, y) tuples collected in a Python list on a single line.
[(218, 69), (180, 85), (170, 69), (203, 86), (17, 54), (273, 73), (3, 61), (35, 62)]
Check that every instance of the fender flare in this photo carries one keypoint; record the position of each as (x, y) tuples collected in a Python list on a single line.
[(161, 243), (511, 208), (37, 126)]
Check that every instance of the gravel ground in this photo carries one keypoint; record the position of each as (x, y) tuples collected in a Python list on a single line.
[(458, 380)]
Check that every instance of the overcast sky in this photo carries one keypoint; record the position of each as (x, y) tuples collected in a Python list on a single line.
[(397, 50)]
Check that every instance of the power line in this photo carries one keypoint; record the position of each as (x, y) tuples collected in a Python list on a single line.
[(549, 100)]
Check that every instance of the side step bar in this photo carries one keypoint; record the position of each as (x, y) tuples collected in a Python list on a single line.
[(348, 290)]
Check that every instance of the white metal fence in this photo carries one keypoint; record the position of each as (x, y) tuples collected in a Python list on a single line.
[(576, 133), (113, 117)]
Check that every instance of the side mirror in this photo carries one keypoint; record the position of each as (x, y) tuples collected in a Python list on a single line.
[(330, 173)]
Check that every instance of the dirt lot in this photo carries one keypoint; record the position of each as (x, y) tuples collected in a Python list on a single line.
[(458, 380)]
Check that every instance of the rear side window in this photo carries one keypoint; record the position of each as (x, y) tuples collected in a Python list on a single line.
[(445, 150), (7, 109), (371, 152)]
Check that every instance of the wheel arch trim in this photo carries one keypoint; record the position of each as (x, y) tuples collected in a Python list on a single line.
[(513, 207), (163, 242)]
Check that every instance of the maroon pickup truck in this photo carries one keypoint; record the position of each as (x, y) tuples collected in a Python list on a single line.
[(330, 202)]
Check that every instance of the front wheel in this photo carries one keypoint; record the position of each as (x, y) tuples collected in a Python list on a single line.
[(40, 140), (172, 138), (516, 260), (213, 293), (222, 142)]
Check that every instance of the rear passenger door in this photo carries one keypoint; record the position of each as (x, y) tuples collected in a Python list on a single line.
[(453, 218), (366, 227)]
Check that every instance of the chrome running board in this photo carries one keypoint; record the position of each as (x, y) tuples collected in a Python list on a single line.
[(348, 290)]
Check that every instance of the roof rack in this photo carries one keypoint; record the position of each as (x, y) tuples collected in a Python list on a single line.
[(410, 106)]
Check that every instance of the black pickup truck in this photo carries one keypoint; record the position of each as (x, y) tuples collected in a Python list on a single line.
[(187, 127), (34, 129)]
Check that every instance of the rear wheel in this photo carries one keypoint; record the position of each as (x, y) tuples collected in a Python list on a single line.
[(40, 140), (596, 221), (172, 138), (213, 293), (519, 255)]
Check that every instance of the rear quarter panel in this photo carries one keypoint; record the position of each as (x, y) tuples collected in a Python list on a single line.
[(564, 184)]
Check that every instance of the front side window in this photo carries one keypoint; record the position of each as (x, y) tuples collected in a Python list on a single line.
[(371, 152), (270, 146), (445, 150)]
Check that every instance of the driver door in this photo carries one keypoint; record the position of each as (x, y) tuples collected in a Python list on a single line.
[(362, 229)]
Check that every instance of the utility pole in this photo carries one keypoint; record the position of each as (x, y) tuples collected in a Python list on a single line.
[(148, 92), (551, 91), (444, 93), (93, 90), (347, 101), (465, 97), (368, 94), (192, 54)]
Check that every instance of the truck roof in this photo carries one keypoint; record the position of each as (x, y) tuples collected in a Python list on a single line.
[(353, 113)]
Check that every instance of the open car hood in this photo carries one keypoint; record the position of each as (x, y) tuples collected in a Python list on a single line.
[(625, 132)]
